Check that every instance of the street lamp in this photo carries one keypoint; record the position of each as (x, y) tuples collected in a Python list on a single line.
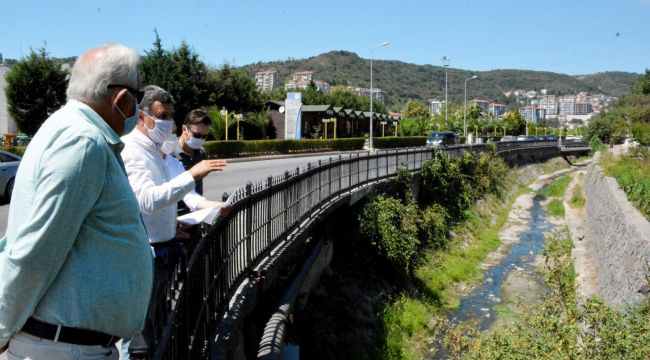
[(385, 43), (445, 63), (465, 108), (238, 117), (325, 121), (383, 123), (224, 113)]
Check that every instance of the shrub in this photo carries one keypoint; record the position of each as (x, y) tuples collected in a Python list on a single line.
[(391, 228), (239, 148), (442, 184), (434, 226), (18, 150), (397, 142)]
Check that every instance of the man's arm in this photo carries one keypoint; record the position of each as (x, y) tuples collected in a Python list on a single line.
[(151, 196), (67, 186)]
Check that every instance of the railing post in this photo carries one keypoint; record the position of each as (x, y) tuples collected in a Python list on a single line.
[(309, 189), (350, 173), (286, 200), (340, 166), (329, 179), (249, 222), (269, 214), (320, 183), (297, 214)]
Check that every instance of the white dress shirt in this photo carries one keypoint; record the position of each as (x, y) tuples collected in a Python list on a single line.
[(155, 189), (175, 168)]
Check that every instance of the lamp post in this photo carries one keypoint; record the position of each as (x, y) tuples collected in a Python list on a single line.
[(238, 117), (385, 43), (224, 113), (445, 63), (465, 108), (383, 123), (325, 121)]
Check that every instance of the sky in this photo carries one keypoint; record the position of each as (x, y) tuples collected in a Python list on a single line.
[(570, 37)]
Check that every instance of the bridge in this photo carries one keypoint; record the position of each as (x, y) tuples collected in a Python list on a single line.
[(230, 264)]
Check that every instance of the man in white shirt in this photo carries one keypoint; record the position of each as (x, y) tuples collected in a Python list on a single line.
[(157, 192)]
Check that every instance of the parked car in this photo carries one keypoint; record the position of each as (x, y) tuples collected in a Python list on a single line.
[(443, 138), (8, 166), (508, 138), (521, 138), (542, 137), (531, 138), (551, 137), (570, 138)]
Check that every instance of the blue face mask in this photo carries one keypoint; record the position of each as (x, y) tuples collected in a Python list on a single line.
[(130, 122)]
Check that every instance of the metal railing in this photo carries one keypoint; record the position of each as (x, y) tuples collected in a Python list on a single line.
[(223, 255)]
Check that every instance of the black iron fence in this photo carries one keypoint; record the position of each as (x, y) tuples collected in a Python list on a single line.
[(221, 256)]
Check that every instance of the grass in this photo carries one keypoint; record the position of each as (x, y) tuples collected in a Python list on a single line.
[(556, 208), (577, 199), (556, 188), (410, 322), (633, 176)]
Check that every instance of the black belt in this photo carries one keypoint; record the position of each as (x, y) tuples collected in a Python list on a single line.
[(68, 334)]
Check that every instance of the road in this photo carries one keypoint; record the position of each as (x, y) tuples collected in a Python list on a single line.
[(235, 175)]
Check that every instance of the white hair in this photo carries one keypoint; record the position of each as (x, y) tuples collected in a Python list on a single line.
[(113, 64)]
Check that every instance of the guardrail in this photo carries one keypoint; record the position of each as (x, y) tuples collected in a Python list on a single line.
[(222, 255)]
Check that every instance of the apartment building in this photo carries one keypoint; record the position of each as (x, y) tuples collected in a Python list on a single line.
[(436, 106), (498, 110), (483, 104), (267, 80), (533, 113)]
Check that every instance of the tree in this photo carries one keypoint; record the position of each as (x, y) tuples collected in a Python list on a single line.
[(515, 122), (642, 85), (414, 109), (181, 73), (233, 89), (35, 89)]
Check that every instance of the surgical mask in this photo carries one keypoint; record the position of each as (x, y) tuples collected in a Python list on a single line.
[(195, 143), (170, 146), (130, 122), (161, 130)]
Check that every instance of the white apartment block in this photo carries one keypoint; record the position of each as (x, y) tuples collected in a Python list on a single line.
[(377, 94), (267, 80), (7, 123), (436, 106), (533, 113)]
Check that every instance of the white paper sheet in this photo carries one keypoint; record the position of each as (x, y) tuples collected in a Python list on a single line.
[(209, 215)]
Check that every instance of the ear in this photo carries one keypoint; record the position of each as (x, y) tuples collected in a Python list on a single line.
[(121, 97)]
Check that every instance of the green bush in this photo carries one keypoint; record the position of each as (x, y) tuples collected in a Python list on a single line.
[(18, 150), (392, 229), (398, 142), (443, 184), (434, 226), (633, 176), (237, 148)]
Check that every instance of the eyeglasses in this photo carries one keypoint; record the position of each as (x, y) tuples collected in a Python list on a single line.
[(138, 94), (197, 135)]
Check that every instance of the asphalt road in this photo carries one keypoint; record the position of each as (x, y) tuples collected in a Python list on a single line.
[(236, 175)]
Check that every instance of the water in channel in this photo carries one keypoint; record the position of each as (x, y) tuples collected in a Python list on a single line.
[(479, 304)]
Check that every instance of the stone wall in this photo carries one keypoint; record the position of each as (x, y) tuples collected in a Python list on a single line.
[(620, 240)]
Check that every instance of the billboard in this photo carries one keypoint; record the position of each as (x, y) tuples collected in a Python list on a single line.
[(292, 118)]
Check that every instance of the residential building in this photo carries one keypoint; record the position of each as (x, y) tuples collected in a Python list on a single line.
[(550, 104), (483, 104), (377, 94), (498, 110), (267, 80), (533, 113), (582, 108), (567, 105), (436, 106), (302, 79)]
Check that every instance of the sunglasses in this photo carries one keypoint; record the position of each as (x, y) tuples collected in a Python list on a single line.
[(137, 94), (197, 135)]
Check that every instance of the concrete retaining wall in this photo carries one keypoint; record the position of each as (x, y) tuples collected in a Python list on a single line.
[(620, 238)]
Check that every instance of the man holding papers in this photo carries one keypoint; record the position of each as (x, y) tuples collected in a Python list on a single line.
[(157, 192)]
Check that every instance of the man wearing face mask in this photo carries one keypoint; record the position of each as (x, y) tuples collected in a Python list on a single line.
[(170, 149), (158, 192), (196, 128), (75, 263)]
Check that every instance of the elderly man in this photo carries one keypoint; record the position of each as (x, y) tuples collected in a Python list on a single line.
[(75, 266), (158, 192)]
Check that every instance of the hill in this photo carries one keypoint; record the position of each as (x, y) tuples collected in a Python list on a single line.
[(403, 81)]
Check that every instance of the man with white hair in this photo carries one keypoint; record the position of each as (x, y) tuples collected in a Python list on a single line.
[(75, 263)]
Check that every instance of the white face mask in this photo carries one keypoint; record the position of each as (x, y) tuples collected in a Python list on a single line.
[(171, 145), (161, 130), (193, 142)]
